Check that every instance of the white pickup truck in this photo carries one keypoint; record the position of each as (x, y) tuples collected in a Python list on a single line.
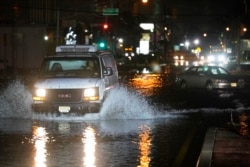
[(74, 80)]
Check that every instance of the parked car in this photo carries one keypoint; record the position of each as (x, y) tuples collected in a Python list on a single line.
[(208, 77), (76, 79)]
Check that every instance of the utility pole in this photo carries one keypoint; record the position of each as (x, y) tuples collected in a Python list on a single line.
[(57, 27), (245, 2)]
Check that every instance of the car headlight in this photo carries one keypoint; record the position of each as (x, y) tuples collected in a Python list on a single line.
[(210, 58), (39, 95), (90, 94), (221, 58), (41, 92)]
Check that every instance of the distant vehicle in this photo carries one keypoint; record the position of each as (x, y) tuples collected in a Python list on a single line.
[(76, 79), (218, 59), (209, 78)]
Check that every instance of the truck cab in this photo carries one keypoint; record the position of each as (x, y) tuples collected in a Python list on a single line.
[(74, 80)]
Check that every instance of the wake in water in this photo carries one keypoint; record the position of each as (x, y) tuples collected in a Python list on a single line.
[(16, 102), (121, 104)]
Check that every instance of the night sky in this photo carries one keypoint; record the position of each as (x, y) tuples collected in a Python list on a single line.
[(191, 17), (187, 11), (209, 12), (195, 17)]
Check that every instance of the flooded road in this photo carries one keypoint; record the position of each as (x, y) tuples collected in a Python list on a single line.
[(139, 125)]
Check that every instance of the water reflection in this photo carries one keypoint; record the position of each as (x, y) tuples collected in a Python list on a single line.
[(241, 124), (89, 143), (144, 146), (146, 83), (40, 139), (243, 129)]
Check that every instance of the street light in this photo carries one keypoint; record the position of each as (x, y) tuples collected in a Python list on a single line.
[(187, 44), (196, 41), (46, 38)]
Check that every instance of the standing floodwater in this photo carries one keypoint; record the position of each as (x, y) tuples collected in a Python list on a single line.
[(163, 129)]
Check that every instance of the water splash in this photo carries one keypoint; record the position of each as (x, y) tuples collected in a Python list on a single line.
[(15, 101), (126, 104), (121, 103)]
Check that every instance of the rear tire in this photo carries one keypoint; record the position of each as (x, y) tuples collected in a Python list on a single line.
[(209, 86), (183, 85)]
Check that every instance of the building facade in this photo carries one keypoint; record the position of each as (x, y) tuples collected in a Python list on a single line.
[(22, 48)]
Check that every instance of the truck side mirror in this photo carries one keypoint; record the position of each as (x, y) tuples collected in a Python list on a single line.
[(108, 71)]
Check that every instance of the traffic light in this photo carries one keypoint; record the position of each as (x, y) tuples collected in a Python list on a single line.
[(16, 10), (102, 45), (105, 26)]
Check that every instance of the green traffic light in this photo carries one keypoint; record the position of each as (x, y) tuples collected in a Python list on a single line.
[(102, 44)]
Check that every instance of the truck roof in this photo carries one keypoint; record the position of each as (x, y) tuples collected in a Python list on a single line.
[(77, 51), (76, 48)]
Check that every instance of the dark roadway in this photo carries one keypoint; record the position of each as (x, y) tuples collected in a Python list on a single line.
[(161, 92)]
